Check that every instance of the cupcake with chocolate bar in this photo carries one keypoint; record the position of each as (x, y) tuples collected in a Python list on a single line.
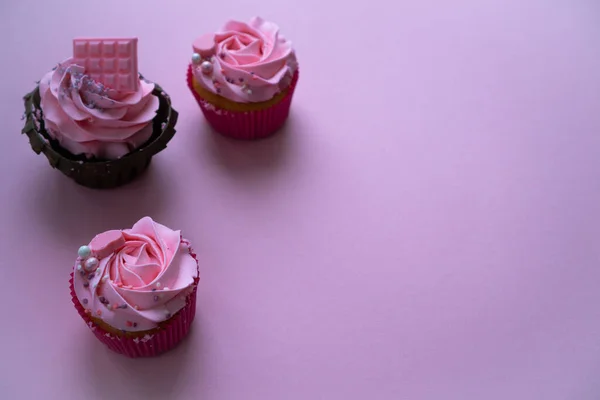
[(136, 288), (95, 118), (243, 78)]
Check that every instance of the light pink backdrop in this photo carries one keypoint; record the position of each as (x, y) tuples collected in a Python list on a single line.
[(426, 227)]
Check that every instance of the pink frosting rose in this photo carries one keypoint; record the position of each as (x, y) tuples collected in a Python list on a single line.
[(88, 118), (251, 62), (135, 278)]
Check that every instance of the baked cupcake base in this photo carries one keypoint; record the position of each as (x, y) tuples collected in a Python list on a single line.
[(146, 343), (101, 174), (244, 121)]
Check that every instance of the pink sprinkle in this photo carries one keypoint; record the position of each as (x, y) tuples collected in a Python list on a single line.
[(99, 312), (129, 323)]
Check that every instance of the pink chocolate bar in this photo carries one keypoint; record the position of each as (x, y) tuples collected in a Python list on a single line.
[(110, 61)]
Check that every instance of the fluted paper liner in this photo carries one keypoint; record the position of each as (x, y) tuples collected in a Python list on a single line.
[(101, 174), (144, 344), (246, 125)]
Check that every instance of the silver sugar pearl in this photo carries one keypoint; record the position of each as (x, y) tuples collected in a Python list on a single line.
[(206, 67), (91, 264)]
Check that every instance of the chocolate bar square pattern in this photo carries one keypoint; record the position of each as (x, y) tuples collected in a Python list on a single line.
[(112, 62)]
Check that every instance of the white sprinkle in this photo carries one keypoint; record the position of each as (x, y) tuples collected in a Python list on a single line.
[(158, 285), (104, 278), (166, 288), (79, 267)]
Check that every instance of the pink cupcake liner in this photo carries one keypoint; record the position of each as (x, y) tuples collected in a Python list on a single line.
[(245, 125), (150, 345)]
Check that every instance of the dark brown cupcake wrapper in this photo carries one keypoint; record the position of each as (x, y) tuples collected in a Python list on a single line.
[(100, 174)]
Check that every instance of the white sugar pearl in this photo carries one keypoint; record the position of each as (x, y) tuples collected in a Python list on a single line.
[(196, 58), (79, 267), (91, 263), (206, 67), (84, 252), (158, 284)]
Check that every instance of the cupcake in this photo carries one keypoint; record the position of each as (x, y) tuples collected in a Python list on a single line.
[(94, 116), (243, 78), (136, 288)]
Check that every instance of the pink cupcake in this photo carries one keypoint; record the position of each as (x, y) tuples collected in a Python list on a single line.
[(136, 288), (95, 118), (243, 78)]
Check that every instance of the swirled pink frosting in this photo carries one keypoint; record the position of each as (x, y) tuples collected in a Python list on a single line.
[(143, 277), (252, 62), (87, 118)]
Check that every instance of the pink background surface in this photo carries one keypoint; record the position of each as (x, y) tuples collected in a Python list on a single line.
[(426, 227)]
